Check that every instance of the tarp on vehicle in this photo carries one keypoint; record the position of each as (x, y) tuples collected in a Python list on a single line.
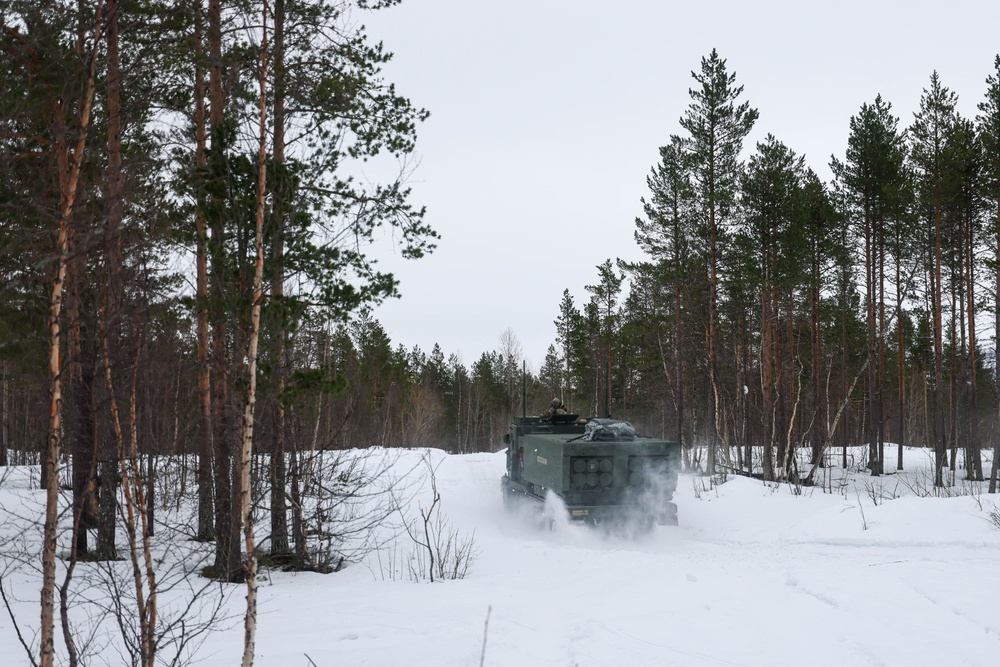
[(601, 430)]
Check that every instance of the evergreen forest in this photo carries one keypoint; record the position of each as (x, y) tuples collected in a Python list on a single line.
[(187, 274)]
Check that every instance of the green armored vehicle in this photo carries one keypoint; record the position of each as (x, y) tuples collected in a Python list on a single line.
[(600, 468)]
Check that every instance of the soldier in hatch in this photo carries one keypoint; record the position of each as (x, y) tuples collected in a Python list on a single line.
[(556, 407)]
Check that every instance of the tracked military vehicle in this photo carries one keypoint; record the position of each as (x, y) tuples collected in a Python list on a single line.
[(603, 472)]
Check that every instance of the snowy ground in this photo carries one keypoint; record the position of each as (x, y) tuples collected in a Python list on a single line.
[(865, 573)]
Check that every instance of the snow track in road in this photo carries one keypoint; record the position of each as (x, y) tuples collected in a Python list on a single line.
[(755, 575)]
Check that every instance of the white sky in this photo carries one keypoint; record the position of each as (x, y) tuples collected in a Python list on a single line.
[(547, 115)]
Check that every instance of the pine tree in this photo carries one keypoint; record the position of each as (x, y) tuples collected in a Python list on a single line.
[(567, 337), (988, 122), (49, 88), (604, 298), (929, 131), (551, 372), (667, 236), (847, 303), (873, 179), (963, 204), (771, 204), (717, 127), (820, 224)]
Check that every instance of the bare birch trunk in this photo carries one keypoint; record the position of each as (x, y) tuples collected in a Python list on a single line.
[(831, 428), (69, 176), (137, 529), (250, 620), (52, 450)]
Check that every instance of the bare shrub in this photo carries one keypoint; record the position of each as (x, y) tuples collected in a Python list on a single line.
[(994, 517), (440, 551), (347, 500), (703, 485), (877, 488), (861, 508)]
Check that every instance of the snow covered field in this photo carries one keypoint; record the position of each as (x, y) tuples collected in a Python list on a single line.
[(870, 574)]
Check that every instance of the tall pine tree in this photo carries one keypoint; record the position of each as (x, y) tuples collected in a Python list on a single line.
[(929, 132), (988, 122), (872, 178), (717, 126)]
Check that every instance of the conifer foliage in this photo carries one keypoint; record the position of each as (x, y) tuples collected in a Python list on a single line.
[(786, 312), (717, 126), (776, 312)]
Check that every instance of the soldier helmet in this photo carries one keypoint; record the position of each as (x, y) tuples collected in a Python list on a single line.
[(555, 403)]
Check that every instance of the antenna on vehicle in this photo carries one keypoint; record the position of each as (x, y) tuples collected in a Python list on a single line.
[(524, 388), (607, 392)]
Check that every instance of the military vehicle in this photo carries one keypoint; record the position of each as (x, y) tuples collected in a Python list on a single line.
[(603, 472)]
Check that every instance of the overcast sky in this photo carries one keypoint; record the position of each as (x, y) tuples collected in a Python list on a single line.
[(547, 116)]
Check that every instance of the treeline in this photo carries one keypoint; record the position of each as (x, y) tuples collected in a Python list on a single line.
[(775, 311)]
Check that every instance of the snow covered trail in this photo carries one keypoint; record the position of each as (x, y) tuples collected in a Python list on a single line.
[(754, 575)]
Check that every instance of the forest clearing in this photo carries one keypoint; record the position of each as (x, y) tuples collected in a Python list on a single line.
[(866, 571)]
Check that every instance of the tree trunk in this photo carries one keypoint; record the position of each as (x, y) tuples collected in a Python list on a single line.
[(962, 355), (871, 431), (844, 391), (298, 523), (767, 375), (246, 452), (227, 476), (996, 324), (880, 403), (81, 375), (678, 361), (975, 463), (818, 436), (136, 521), (206, 519), (954, 407), (4, 415), (108, 477), (790, 402), (936, 294), (900, 367), (712, 334), (279, 515), (84, 455), (51, 457), (69, 167)]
